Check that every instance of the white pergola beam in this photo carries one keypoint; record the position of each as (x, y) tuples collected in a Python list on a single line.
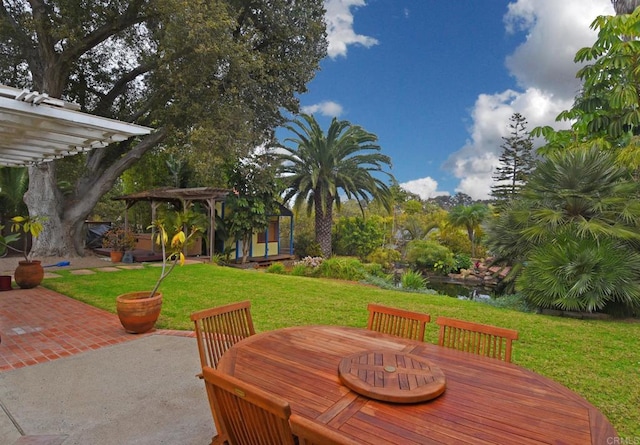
[(35, 128)]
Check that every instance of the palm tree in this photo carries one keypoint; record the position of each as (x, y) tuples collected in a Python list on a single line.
[(625, 6), (470, 218), (577, 220), (345, 160)]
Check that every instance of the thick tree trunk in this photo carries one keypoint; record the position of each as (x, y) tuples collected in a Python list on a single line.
[(63, 230), (324, 223)]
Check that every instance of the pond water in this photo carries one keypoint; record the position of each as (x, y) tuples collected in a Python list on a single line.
[(458, 290)]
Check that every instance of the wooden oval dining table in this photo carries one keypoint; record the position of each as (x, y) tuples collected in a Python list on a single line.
[(484, 400)]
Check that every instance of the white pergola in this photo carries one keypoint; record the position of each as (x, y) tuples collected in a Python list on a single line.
[(36, 128)]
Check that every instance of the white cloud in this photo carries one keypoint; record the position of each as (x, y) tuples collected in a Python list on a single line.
[(326, 108), (340, 32), (544, 69), (425, 188)]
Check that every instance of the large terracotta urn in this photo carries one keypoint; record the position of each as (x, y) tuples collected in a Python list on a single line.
[(137, 311), (28, 274)]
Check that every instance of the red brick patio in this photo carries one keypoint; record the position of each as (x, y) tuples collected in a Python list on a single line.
[(39, 325)]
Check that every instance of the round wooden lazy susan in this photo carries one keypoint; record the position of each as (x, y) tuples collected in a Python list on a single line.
[(392, 376)]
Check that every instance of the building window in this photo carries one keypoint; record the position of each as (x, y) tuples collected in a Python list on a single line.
[(273, 233)]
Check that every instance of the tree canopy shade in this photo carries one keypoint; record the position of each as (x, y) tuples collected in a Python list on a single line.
[(319, 167), (210, 75)]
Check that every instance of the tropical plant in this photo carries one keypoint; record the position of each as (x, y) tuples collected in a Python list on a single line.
[(578, 202), (583, 274), (385, 257), (470, 218), (21, 226), (13, 185), (174, 232), (321, 165), (119, 239), (413, 280), (212, 77)]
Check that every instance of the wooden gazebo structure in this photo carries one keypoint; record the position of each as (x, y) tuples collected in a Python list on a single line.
[(182, 198)]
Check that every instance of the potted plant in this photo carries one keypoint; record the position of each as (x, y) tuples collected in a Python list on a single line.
[(29, 273), (139, 311), (119, 240)]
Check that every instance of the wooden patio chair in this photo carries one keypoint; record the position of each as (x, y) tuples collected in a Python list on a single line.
[(248, 415), (309, 432), (398, 322), (217, 329), (481, 339)]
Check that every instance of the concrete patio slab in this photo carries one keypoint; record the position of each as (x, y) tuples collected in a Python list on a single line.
[(138, 392)]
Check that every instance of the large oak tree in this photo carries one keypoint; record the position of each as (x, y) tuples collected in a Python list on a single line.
[(209, 75)]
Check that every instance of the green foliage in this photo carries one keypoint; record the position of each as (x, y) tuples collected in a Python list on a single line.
[(470, 217), (413, 280), (461, 261), (214, 77), (343, 268), (577, 228), (583, 275), (516, 161), (428, 255), (356, 236), (375, 270), (277, 268), (14, 182), (253, 202), (384, 257), (320, 165), (300, 270)]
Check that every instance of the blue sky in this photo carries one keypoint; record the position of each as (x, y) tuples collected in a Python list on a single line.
[(437, 80)]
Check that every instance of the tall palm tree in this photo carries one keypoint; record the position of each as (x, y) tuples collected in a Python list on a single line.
[(321, 166), (470, 218), (625, 6)]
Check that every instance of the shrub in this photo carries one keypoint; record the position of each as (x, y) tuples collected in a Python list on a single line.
[(423, 254), (413, 280), (342, 268), (384, 257), (461, 261), (300, 270), (277, 268), (374, 269)]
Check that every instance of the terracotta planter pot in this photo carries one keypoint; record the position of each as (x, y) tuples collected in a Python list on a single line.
[(29, 274), (137, 312), (5, 282), (116, 256)]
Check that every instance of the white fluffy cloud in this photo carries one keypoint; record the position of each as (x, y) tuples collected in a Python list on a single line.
[(544, 69), (340, 32), (326, 108), (425, 188)]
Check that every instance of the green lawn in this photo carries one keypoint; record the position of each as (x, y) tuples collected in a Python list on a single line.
[(598, 359)]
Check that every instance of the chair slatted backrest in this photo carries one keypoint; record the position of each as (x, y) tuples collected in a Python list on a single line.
[(248, 415), (481, 339), (219, 328), (398, 322), (309, 432)]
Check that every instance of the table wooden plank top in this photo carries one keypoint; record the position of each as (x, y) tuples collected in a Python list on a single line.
[(485, 401)]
